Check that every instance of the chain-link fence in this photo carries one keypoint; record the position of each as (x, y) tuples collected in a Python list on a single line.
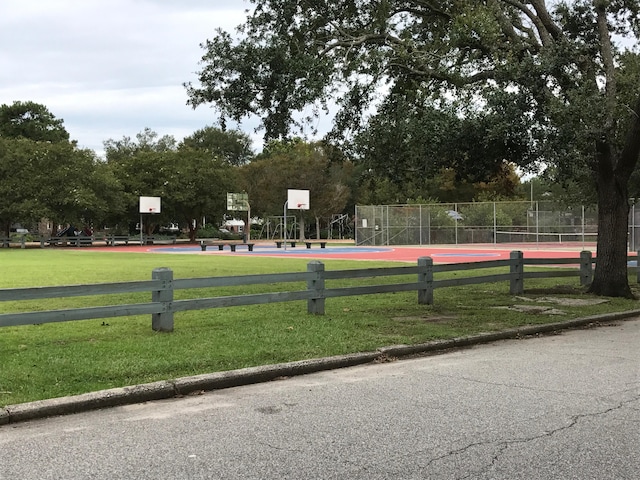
[(478, 222)]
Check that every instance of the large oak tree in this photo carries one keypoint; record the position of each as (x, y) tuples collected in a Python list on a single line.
[(558, 57)]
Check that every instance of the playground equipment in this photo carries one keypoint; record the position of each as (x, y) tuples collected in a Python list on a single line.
[(341, 222), (273, 228)]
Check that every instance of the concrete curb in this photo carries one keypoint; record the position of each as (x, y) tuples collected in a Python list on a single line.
[(234, 378)]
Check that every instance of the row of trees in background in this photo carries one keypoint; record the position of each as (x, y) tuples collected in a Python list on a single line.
[(45, 175)]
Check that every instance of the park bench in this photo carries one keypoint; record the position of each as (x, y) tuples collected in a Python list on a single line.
[(160, 239), (80, 241), (221, 243), (308, 243), (322, 243), (6, 242), (290, 242), (112, 240)]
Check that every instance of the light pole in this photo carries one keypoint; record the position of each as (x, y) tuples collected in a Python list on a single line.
[(284, 229), (531, 184)]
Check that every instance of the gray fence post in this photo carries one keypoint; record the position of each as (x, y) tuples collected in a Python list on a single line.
[(425, 279), (638, 266), (163, 322), (586, 268), (516, 269), (315, 284)]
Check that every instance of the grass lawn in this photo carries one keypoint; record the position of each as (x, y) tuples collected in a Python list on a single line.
[(57, 359)]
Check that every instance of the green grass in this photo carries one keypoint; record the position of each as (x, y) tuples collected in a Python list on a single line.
[(51, 360)]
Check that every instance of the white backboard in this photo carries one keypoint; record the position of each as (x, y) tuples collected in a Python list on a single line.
[(298, 199), (149, 204)]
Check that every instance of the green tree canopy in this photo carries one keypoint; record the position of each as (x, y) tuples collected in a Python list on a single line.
[(44, 175), (31, 120), (411, 143), (298, 165), (191, 178), (56, 181), (229, 146), (206, 169), (559, 59), (141, 166)]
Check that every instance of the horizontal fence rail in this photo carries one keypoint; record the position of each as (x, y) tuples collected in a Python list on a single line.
[(162, 286)]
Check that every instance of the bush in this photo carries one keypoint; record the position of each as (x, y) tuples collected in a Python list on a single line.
[(17, 237), (208, 232), (212, 232)]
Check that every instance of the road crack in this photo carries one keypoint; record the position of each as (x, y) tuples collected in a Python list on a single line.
[(502, 446)]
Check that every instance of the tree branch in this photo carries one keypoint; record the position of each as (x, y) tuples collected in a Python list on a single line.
[(380, 39), (505, 24), (433, 74), (514, 30), (607, 58), (546, 20), (545, 36), (430, 10), (428, 4)]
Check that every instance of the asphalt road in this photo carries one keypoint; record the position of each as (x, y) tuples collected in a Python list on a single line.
[(556, 407)]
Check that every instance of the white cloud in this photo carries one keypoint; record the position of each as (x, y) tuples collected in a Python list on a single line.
[(110, 68)]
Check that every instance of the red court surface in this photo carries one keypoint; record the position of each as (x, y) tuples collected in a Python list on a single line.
[(409, 254)]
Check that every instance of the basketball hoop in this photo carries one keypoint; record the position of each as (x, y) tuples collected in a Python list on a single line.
[(149, 204), (296, 199)]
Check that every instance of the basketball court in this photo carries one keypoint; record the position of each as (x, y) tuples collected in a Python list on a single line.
[(409, 254), (458, 253)]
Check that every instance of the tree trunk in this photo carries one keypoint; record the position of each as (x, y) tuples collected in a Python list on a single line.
[(610, 277), (302, 238)]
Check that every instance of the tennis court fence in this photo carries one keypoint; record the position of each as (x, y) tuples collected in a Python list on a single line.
[(483, 223)]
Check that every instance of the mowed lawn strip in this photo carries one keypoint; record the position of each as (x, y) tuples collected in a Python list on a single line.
[(58, 359)]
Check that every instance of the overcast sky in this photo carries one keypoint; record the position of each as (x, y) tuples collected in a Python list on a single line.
[(111, 68)]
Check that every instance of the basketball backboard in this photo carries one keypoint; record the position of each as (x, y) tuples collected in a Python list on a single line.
[(298, 199), (149, 204), (238, 202)]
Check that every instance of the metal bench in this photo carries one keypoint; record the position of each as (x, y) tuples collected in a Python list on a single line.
[(221, 243), (160, 239), (290, 242), (80, 241), (322, 243), (112, 240)]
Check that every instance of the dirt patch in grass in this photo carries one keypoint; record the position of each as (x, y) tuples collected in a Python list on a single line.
[(427, 318), (556, 290), (533, 309), (566, 302)]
